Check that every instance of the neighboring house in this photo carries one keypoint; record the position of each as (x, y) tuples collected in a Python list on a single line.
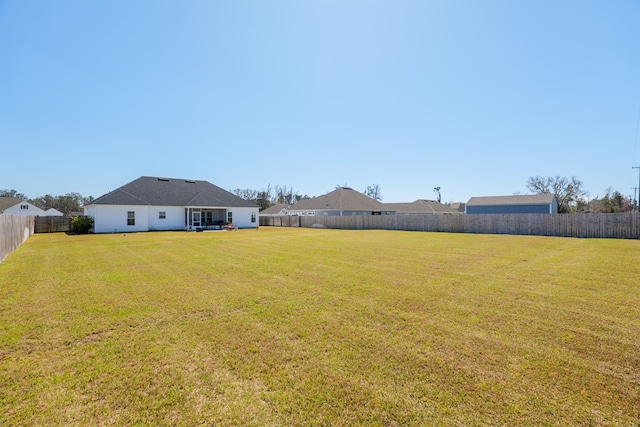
[(16, 206), (459, 206), (151, 203), (421, 206), (538, 203), (53, 212), (275, 210), (344, 201)]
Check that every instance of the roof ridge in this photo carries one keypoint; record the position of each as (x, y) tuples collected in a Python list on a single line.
[(193, 198), (132, 195)]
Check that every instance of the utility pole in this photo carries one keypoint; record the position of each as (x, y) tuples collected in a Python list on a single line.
[(637, 167), (635, 201)]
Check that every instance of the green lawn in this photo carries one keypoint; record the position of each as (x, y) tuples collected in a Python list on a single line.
[(320, 327)]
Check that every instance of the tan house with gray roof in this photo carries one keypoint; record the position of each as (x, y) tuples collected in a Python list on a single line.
[(343, 201), (421, 206)]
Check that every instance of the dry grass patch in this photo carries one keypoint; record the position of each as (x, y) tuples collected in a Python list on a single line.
[(320, 327)]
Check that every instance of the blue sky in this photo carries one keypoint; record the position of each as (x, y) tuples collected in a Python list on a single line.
[(471, 96)]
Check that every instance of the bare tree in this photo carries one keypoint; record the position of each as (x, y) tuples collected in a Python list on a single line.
[(565, 189), (262, 198), (270, 196), (265, 198), (246, 193), (286, 195), (374, 192)]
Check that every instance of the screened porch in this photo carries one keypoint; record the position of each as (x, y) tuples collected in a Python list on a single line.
[(206, 218)]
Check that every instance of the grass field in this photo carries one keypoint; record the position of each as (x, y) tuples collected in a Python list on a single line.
[(320, 327)]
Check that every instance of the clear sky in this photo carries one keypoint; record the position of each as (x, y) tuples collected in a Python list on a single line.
[(471, 96)]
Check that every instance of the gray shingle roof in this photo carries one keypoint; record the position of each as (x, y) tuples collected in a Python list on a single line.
[(155, 191), (275, 209), (343, 199), (421, 206), (530, 199)]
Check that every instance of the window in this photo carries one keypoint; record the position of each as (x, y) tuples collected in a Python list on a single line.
[(131, 218), (229, 216), (162, 215), (253, 217)]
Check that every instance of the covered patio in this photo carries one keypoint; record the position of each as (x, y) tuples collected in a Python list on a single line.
[(206, 218)]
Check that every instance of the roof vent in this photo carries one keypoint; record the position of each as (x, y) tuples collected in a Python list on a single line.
[(189, 181), (163, 179)]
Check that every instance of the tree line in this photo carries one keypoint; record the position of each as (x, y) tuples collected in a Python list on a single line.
[(274, 195), (67, 203), (568, 191), (573, 198)]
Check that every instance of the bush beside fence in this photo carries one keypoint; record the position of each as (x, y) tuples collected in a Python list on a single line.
[(14, 231), (620, 225)]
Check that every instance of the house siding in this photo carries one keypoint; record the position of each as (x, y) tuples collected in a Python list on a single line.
[(174, 218), (32, 210), (510, 209), (242, 217), (113, 219)]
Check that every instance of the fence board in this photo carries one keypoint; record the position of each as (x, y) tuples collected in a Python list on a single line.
[(614, 225), (14, 231), (52, 224), (280, 221)]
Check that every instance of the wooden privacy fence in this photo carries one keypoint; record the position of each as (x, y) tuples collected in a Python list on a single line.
[(52, 224), (14, 230), (280, 221), (620, 225)]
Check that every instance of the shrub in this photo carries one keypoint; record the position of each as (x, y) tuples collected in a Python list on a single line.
[(82, 224)]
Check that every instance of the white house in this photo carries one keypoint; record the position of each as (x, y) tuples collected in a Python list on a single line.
[(151, 203), (16, 206), (53, 212)]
